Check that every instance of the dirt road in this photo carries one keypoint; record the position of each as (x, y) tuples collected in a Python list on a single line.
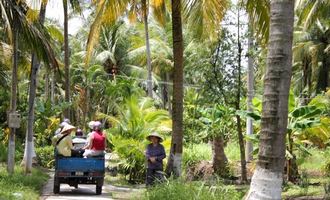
[(87, 192)]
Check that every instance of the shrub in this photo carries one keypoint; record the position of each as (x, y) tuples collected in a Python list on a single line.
[(3, 152), (180, 190), (45, 156), (19, 151), (132, 157)]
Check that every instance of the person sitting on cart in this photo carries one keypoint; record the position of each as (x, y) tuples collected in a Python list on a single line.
[(79, 141), (63, 142), (61, 125), (155, 153), (96, 142)]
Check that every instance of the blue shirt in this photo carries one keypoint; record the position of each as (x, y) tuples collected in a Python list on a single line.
[(157, 151)]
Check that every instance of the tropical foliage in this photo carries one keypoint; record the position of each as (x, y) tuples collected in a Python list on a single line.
[(193, 54)]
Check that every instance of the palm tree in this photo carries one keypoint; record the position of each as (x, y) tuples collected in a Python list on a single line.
[(117, 9), (35, 64), (145, 12), (250, 94), (14, 16), (312, 64), (175, 157), (76, 7), (268, 176), (198, 13), (310, 12)]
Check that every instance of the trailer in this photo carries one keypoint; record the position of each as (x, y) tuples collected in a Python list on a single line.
[(79, 170)]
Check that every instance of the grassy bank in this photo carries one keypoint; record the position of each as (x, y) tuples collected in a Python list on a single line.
[(19, 185), (179, 189)]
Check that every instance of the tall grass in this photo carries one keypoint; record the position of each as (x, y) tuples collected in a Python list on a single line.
[(194, 153), (232, 151), (316, 161), (19, 185), (180, 190)]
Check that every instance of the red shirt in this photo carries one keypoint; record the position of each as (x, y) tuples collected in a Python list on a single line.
[(98, 141)]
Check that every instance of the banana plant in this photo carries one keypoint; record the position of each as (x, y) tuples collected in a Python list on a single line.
[(306, 125)]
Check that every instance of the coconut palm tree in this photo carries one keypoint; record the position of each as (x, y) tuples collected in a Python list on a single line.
[(35, 64), (268, 176), (175, 157), (117, 9), (17, 25), (76, 7), (310, 12)]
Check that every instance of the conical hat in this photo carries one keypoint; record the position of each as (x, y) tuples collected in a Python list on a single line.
[(67, 127), (155, 134)]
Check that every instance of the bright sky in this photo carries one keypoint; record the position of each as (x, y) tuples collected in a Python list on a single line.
[(54, 11)]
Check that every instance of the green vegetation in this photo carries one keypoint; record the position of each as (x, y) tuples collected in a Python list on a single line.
[(126, 69), (45, 156), (195, 153), (178, 189), (19, 185)]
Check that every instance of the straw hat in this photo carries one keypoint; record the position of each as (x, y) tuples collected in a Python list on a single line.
[(67, 128), (155, 134)]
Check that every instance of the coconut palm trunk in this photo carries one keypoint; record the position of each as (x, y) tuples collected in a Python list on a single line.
[(175, 158), (52, 87), (13, 103), (268, 176), (250, 94), (47, 86), (35, 64), (238, 106), (145, 6), (66, 58)]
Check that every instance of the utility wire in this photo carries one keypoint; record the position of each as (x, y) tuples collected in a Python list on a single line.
[(159, 82)]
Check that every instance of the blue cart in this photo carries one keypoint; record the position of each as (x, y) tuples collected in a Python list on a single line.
[(76, 170)]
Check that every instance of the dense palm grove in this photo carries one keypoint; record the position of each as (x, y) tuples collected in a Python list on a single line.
[(213, 77)]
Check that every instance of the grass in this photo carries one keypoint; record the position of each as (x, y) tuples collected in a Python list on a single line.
[(232, 151), (197, 190), (194, 153), (313, 166), (19, 185), (315, 161), (297, 191)]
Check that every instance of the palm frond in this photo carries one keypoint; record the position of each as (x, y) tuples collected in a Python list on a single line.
[(203, 16), (4, 15), (159, 11), (94, 32), (55, 32), (259, 13), (34, 34), (309, 11)]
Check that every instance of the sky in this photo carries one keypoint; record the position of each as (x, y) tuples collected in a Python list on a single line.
[(54, 11)]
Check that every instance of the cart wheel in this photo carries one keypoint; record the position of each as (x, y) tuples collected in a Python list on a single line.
[(98, 189), (56, 188)]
